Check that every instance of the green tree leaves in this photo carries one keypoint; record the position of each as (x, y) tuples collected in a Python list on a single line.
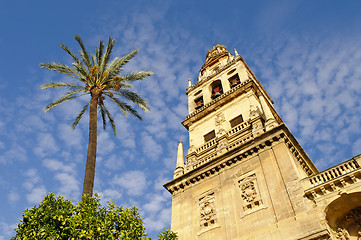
[(58, 218)]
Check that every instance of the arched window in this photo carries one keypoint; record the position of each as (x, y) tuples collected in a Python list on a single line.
[(217, 89)]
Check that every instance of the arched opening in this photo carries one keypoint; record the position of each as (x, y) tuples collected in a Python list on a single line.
[(199, 102), (234, 80), (217, 89), (344, 216)]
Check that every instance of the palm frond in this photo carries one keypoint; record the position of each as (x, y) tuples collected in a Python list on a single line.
[(61, 68), (126, 108), (56, 103), (135, 76), (99, 52), (81, 69), (66, 97), (106, 56), (66, 49), (111, 120), (60, 84), (115, 67), (93, 58), (103, 114), (83, 53), (80, 115), (133, 97)]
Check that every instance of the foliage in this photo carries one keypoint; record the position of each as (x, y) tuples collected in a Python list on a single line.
[(99, 78), (167, 235), (57, 218)]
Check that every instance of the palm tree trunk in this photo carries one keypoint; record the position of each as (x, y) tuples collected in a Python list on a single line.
[(92, 146)]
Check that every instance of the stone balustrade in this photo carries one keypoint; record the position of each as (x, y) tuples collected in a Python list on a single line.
[(239, 128), (334, 172), (333, 179), (207, 145)]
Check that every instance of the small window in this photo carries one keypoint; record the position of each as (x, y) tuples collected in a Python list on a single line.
[(199, 102), (209, 136), (236, 121), (234, 80)]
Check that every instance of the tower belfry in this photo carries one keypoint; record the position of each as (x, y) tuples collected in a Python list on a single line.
[(245, 176)]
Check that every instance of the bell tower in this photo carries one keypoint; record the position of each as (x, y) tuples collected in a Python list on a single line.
[(244, 173)]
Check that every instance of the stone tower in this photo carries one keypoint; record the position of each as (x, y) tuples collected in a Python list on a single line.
[(245, 175)]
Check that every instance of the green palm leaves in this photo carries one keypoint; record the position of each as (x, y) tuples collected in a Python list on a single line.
[(100, 79), (98, 76)]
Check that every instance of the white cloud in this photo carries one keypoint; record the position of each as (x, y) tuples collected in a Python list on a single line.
[(56, 165), (316, 91), (158, 222), (32, 179), (6, 230), (356, 147), (13, 197), (15, 153), (36, 195), (71, 138), (105, 143), (115, 161), (110, 194), (151, 148), (134, 182), (69, 184), (46, 145)]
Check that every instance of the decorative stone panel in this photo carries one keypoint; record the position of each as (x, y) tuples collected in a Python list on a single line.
[(250, 194), (207, 211)]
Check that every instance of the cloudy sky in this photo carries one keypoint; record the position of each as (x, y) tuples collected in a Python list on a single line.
[(307, 55)]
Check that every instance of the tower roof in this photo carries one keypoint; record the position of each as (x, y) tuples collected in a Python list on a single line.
[(213, 56)]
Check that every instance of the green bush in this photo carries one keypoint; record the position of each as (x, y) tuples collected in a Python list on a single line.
[(58, 218)]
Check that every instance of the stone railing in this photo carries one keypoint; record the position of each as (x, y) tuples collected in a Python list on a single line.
[(193, 165), (334, 172), (239, 128), (333, 179), (207, 145)]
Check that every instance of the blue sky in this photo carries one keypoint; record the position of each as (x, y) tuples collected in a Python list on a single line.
[(307, 55)]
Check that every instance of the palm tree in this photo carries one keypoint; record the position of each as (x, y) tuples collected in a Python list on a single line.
[(100, 79)]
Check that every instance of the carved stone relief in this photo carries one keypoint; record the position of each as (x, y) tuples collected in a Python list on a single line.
[(253, 112), (342, 234), (207, 211), (219, 119), (350, 226), (250, 193)]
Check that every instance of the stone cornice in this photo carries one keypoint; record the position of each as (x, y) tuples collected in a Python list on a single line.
[(241, 153)]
